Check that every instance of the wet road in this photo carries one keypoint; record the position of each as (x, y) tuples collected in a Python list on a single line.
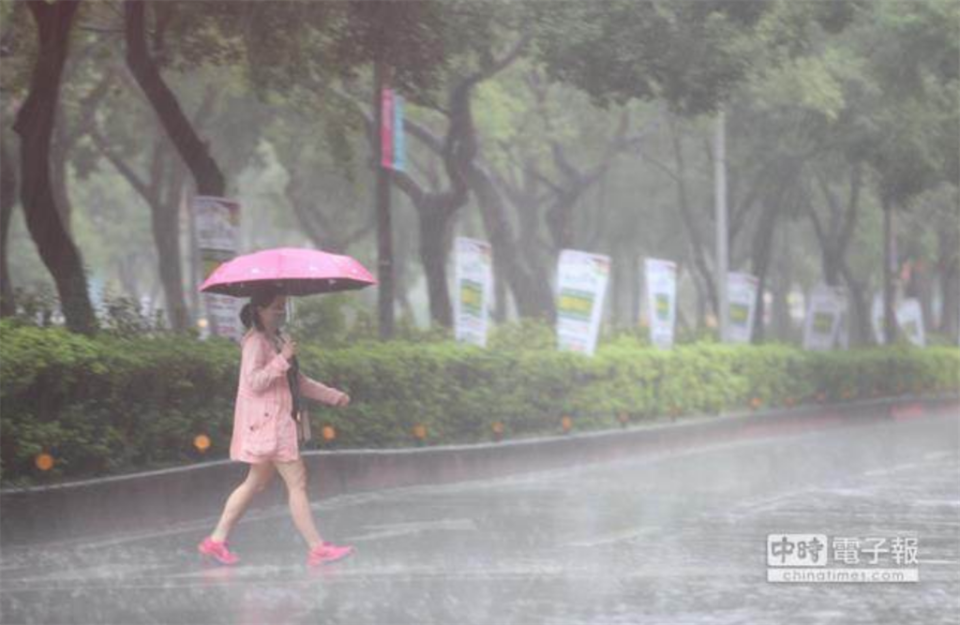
[(679, 538)]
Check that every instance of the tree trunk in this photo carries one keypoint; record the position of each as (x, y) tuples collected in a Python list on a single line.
[(34, 124), (633, 269), (205, 171), (690, 226), (58, 177), (889, 269), (8, 201), (948, 241), (950, 321), (506, 251), (193, 258), (862, 323), (702, 300), (780, 288), (921, 285), (501, 305), (165, 218), (761, 261), (616, 288), (435, 236), (162, 192), (532, 251), (166, 237)]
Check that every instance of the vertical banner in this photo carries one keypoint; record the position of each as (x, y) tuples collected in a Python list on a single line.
[(910, 319), (474, 281), (824, 314), (217, 222), (581, 288), (742, 301), (661, 282), (391, 131)]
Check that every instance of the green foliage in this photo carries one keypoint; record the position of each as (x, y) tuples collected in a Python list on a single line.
[(113, 404), (525, 334), (689, 54), (110, 404), (320, 320)]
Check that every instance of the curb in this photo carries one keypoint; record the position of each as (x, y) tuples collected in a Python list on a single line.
[(114, 505)]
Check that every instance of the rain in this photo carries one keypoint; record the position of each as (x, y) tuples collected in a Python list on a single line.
[(472, 311)]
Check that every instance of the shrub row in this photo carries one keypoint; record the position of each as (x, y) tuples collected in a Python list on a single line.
[(109, 404)]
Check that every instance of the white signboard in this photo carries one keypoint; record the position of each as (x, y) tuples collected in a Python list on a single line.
[(661, 282), (218, 222), (742, 300), (825, 309), (473, 279), (581, 288), (910, 319), (218, 225)]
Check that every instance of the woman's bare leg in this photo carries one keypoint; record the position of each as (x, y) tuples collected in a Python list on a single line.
[(294, 474), (257, 479)]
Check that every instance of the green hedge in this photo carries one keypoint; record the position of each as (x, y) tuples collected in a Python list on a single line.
[(110, 405)]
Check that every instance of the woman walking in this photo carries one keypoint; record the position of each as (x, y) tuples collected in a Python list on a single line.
[(265, 428)]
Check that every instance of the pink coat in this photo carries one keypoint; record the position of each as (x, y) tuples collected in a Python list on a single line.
[(263, 430)]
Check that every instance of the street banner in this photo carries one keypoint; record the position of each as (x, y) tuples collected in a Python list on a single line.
[(581, 288), (391, 131), (910, 319), (821, 327), (217, 222), (474, 280), (742, 300), (661, 283)]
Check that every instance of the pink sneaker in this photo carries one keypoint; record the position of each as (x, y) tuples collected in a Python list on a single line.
[(218, 551), (325, 553)]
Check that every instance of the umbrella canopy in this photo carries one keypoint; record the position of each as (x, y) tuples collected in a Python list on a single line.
[(289, 270)]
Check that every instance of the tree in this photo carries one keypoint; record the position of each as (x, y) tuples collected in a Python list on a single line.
[(206, 173), (436, 208), (693, 56), (162, 189), (8, 200), (557, 150), (12, 83), (321, 193), (689, 54), (35, 123), (904, 122), (328, 41)]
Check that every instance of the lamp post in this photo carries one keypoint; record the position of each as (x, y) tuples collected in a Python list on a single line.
[(720, 200)]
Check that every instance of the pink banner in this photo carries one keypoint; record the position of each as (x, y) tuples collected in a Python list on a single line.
[(386, 129)]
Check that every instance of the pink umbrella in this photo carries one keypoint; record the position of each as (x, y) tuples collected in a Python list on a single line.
[(289, 270)]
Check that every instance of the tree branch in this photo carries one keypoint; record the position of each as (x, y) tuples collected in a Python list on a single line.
[(120, 165)]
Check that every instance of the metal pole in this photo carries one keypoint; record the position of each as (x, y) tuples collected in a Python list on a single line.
[(384, 228), (720, 184)]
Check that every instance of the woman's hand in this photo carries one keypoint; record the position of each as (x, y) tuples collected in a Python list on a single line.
[(343, 401), (289, 350)]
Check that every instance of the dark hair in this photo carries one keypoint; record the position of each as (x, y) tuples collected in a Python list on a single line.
[(260, 299)]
